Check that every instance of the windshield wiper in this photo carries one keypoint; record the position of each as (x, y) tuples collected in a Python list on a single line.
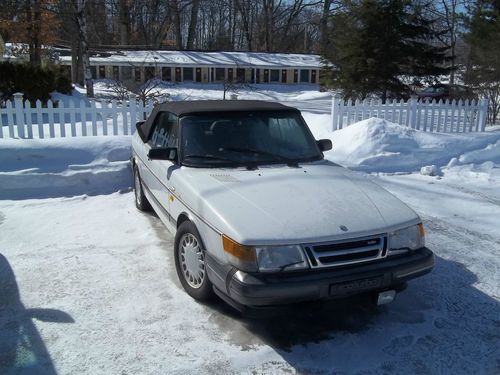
[(289, 162), (209, 157), (221, 158)]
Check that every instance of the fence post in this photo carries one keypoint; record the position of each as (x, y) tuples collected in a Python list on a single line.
[(483, 113), (412, 110), (19, 108), (335, 112), (133, 112)]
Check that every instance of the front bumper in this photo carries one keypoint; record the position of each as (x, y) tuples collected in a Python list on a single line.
[(242, 289)]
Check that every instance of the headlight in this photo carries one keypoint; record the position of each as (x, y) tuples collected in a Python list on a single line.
[(411, 238), (264, 259), (280, 258)]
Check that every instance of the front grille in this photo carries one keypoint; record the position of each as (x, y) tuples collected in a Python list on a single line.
[(343, 252)]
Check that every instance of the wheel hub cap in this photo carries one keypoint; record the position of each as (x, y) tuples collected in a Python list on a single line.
[(191, 260)]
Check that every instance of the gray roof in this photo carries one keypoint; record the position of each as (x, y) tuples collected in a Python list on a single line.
[(182, 108), (187, 107)]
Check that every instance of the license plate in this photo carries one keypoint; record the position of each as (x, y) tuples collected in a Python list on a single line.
[(355, 286)]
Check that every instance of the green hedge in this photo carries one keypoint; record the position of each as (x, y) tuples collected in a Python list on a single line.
[(35, 82)]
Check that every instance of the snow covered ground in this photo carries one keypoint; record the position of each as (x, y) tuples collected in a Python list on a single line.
[(88, 285)]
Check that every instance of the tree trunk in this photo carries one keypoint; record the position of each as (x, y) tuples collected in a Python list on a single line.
[(81, 78), (124, 22), (74, 60), (82, 33), (453, 42), (268, 15), (33, 20), (244, 13), (37, 25), (177, 24), (324, 26), (192, 24)]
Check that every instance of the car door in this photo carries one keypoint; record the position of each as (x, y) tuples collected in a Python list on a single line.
[(165, 133)]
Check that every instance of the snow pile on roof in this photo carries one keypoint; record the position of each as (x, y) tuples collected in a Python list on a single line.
[(64, 167), (196, 58), (377, 145)]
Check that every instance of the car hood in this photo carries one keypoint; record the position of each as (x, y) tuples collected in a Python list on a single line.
[(282, 205)]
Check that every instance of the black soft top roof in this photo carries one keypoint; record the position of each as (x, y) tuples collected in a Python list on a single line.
[(203, 106), (188, 107)]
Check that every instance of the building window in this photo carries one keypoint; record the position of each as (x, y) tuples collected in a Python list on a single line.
[(304, 75), (188, 74), (240, 75), (149, 72), (116, 73), (102, 71), (219, 74), (275, 75), (137, 74), (166, 74), (126, 73)]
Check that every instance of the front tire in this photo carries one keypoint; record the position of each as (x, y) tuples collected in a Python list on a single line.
[(141, 202), (190, 262)]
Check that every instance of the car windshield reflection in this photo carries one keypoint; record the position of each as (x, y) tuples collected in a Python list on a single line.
[(246, 138)]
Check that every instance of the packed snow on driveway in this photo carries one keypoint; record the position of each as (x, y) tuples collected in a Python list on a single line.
[(88, 283)]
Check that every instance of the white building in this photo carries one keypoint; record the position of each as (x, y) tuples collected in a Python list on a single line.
[(205, 67)]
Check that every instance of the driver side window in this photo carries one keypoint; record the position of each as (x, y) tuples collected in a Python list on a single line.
[(165, 131)]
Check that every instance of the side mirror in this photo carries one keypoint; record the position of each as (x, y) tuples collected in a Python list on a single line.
[(167, 153), (324, 144), (138, 126)]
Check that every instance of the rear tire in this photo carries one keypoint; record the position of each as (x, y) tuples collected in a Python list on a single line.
[(141, 202), (190, 262)]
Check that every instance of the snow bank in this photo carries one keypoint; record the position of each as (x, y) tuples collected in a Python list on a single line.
[(488, 153), (377, 145), (215, 91), (64, 167)]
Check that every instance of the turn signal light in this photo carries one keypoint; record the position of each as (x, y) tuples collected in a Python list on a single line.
[(244, 253), (421, 230)]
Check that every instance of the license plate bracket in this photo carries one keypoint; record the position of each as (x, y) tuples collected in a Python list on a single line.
[(353, 286)]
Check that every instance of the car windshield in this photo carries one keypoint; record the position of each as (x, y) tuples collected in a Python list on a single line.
[(246, 139)]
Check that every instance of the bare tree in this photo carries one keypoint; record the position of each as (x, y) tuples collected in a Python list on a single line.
[(124, 21), (150, 90), (195, 6), (82, 33)]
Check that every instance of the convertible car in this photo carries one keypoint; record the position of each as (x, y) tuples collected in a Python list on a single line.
[(260, 217)]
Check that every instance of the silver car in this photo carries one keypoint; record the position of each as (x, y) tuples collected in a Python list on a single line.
[(260, 217)]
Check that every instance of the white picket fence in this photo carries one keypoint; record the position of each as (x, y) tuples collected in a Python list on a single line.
[(431, 116), (91, 118), (77, 118)]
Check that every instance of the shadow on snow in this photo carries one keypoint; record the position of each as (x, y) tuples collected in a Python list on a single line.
[(440, 324), (22, 350)]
